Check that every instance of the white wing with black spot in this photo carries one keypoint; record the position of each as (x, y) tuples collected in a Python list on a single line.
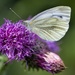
[(51, 24)]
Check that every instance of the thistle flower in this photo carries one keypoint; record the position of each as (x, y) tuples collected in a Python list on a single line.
[(15, 39), (45, 57), (50, 62), (19, 43)]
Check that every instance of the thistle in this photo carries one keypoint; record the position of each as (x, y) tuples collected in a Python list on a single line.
[(45, 58), (19, 43), (15, 40), (50, 62)]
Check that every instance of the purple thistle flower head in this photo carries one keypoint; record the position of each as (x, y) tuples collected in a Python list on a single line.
[(15, 39), (50, 62), (19, 43), (45, 57)]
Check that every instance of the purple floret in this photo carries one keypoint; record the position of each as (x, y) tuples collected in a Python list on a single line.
[(50, 62), (15, 40), (53, 46)]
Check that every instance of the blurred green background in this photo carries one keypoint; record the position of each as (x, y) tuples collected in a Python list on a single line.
[(26, 8)]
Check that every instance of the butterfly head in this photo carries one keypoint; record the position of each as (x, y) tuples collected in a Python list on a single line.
[(26, 22)]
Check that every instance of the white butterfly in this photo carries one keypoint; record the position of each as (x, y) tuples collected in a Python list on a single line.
[(51, 24)]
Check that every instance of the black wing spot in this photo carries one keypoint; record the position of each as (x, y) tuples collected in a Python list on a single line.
[(60, 16), (57, 16)]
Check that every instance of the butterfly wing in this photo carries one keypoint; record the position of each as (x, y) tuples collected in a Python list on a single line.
[(51, 24)]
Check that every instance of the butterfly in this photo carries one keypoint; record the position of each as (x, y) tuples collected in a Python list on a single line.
[(52, 24)]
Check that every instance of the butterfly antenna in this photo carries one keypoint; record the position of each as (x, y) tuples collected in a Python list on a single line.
[(15, 13)]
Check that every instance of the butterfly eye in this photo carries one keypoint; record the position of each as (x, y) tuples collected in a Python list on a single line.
[(26, 23)]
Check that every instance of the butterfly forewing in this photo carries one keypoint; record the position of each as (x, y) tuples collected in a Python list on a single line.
[(59, 11), (51, 24)]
